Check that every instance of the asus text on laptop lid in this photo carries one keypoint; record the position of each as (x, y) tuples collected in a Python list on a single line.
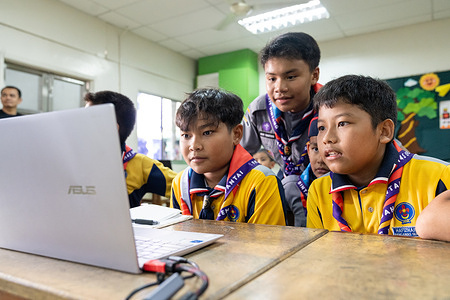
[(62, 188)]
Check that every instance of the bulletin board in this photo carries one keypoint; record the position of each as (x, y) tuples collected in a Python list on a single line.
[(423, 103)]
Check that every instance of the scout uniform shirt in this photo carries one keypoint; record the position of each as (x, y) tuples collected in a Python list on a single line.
[(249, 193), (145, 175), (366, 209)]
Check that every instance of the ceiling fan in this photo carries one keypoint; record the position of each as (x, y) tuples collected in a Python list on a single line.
[(240, 9)]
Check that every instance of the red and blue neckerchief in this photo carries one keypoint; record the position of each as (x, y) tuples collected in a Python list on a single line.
[(241, 164), (391, 194), (284, 142), (127, 155)]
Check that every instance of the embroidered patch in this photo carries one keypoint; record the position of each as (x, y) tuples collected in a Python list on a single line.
[(266, 126), (233, 213), (404, 212), (405, 231)]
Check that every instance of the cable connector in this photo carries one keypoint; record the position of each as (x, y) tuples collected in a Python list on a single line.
[(165, 266)]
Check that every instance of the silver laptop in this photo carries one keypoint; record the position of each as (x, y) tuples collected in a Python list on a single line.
[(63, 192)]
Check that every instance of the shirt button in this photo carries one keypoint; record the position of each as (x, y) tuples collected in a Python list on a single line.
[(213, 207), (363, 192), (371, 209)]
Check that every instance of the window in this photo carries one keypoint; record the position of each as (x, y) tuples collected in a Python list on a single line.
[(158, 137), (43, 91)]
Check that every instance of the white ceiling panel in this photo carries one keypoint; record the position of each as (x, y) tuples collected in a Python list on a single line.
[(190, 26)]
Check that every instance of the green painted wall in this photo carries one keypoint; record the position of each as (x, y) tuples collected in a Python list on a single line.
[(238, 72)]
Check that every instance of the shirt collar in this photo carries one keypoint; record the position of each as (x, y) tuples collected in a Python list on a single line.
[(198, 184), (341, 182)]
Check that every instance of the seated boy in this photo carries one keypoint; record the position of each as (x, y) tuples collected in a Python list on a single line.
[(296, 190), (223, 181), (374, 186), (143, 174)]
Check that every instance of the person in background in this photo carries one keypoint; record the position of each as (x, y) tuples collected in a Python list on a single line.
[(223, 181), (297, 190), (143, 174), (374, 185), (11, 97), (265, 158)]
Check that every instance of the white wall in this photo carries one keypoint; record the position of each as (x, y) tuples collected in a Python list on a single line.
[(46, 34), (410, 50)]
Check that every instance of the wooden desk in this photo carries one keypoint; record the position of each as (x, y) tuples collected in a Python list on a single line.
[(245, 252), (354, 266)]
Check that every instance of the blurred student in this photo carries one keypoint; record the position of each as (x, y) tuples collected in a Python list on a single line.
[(374, 185), (11, 97), (434, 221), (297, 190), (265, 158), (223, 181), (143, 174)]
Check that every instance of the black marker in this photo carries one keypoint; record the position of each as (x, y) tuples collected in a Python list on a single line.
[(144, 221)]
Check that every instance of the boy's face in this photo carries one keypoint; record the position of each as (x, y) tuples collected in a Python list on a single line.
[(208, 148), (263, 159), (288, 83), (318, 167), (349, 144)]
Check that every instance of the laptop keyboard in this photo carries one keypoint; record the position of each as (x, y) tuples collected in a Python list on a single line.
[(156, 248)]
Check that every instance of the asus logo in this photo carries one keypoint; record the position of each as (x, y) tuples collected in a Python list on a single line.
[(81, 190)]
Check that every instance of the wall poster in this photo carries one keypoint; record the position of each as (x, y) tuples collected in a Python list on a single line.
[(423, 103)]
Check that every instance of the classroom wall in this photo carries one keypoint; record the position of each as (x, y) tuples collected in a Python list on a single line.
[(48, 35), (408, 50)]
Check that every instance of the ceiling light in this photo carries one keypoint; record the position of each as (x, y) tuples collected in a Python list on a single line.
[(285, 17)]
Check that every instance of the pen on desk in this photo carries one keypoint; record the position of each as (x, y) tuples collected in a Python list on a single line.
[(144, 221)]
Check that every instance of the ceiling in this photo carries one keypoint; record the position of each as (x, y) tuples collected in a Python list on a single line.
[(190, 26)]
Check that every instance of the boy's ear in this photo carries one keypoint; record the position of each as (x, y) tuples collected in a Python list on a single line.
[(315, 76), (387, 131), (237, 132)]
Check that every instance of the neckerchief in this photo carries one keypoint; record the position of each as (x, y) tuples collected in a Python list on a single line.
[(127, 155), (209, 195), (391, 194), (303, 183), (240, 165), (284, 142)]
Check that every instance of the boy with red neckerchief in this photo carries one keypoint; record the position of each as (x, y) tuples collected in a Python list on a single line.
[(223, 181), (374, 185)]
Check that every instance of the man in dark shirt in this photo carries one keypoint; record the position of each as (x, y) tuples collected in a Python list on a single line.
[(11, 96)]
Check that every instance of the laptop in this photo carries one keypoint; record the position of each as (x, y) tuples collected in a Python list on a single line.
[(63, 192)]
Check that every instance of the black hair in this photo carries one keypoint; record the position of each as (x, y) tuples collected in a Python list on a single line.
[(292, 46), (213, 104), (13, 87), (374, 96), (123, 106)]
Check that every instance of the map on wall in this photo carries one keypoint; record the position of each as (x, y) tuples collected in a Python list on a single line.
[(422, 102)]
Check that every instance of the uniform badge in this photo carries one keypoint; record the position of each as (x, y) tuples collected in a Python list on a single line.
[(233, 213), (404, 212), (266, 126)]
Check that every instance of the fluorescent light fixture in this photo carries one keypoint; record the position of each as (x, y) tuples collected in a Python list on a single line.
[(285, 17)]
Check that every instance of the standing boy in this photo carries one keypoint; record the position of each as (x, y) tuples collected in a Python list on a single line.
[(374, 186), (143, 174), (279, 120), (223, 181), (11, 97)]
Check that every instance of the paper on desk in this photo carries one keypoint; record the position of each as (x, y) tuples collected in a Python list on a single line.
[(164, 215)]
